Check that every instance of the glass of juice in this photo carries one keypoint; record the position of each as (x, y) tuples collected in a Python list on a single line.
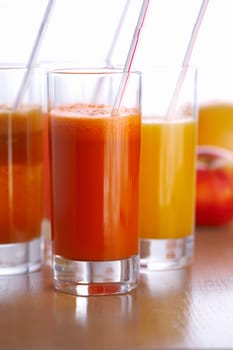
[(20, 172), (167, 167), (94, 162)]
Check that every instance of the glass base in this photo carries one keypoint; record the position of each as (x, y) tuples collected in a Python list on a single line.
[(86, 278), (164, 254), (46, 232), (17, 258)]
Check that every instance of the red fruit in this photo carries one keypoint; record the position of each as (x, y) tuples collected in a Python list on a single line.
[(214, 187)]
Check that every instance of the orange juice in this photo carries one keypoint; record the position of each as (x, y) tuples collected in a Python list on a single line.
[(95, 178), (20, 174), (167, 178), (216, 125)]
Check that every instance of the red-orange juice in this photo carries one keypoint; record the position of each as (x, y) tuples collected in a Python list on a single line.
[(95, 175), (46, 173), (20, 174)]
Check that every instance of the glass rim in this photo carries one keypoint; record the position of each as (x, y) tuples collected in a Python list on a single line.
[(95, 71), (169, 67), (6, 66)]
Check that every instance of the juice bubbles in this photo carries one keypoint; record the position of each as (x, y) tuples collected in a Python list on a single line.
[(167, 178), (20, 174), (95, 196)]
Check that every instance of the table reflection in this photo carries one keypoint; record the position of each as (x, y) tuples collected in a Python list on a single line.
[(156, 312), (164, 307), (107, 321)]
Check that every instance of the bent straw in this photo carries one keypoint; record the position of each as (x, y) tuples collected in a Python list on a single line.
[(130, 56), (34, 53), (187, 56)]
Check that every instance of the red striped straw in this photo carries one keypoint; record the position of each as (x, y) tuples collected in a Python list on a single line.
[(187, 56), (34, 52), (130, 56)]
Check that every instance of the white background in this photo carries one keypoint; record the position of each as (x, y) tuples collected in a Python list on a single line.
[(83, 30)]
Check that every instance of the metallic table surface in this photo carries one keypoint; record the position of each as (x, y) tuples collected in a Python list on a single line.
[(183, 309)]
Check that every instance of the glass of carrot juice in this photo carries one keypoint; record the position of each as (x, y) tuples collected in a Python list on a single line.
[(20, 172), (94, 155), (167, 168)]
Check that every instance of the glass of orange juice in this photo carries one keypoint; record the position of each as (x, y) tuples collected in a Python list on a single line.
[(20, 172), (167, 168), (95, 156)]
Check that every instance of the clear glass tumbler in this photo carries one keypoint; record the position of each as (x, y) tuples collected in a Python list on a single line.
[(20, 171), (167, 168), (95, 154)]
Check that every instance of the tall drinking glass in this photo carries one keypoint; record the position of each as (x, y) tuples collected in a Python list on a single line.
[(167, 173), (20, 172), (95, 181)]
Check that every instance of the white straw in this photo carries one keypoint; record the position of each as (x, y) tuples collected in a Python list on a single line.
[(34, 53), (130, 56), (187, 56), (108, 58)]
